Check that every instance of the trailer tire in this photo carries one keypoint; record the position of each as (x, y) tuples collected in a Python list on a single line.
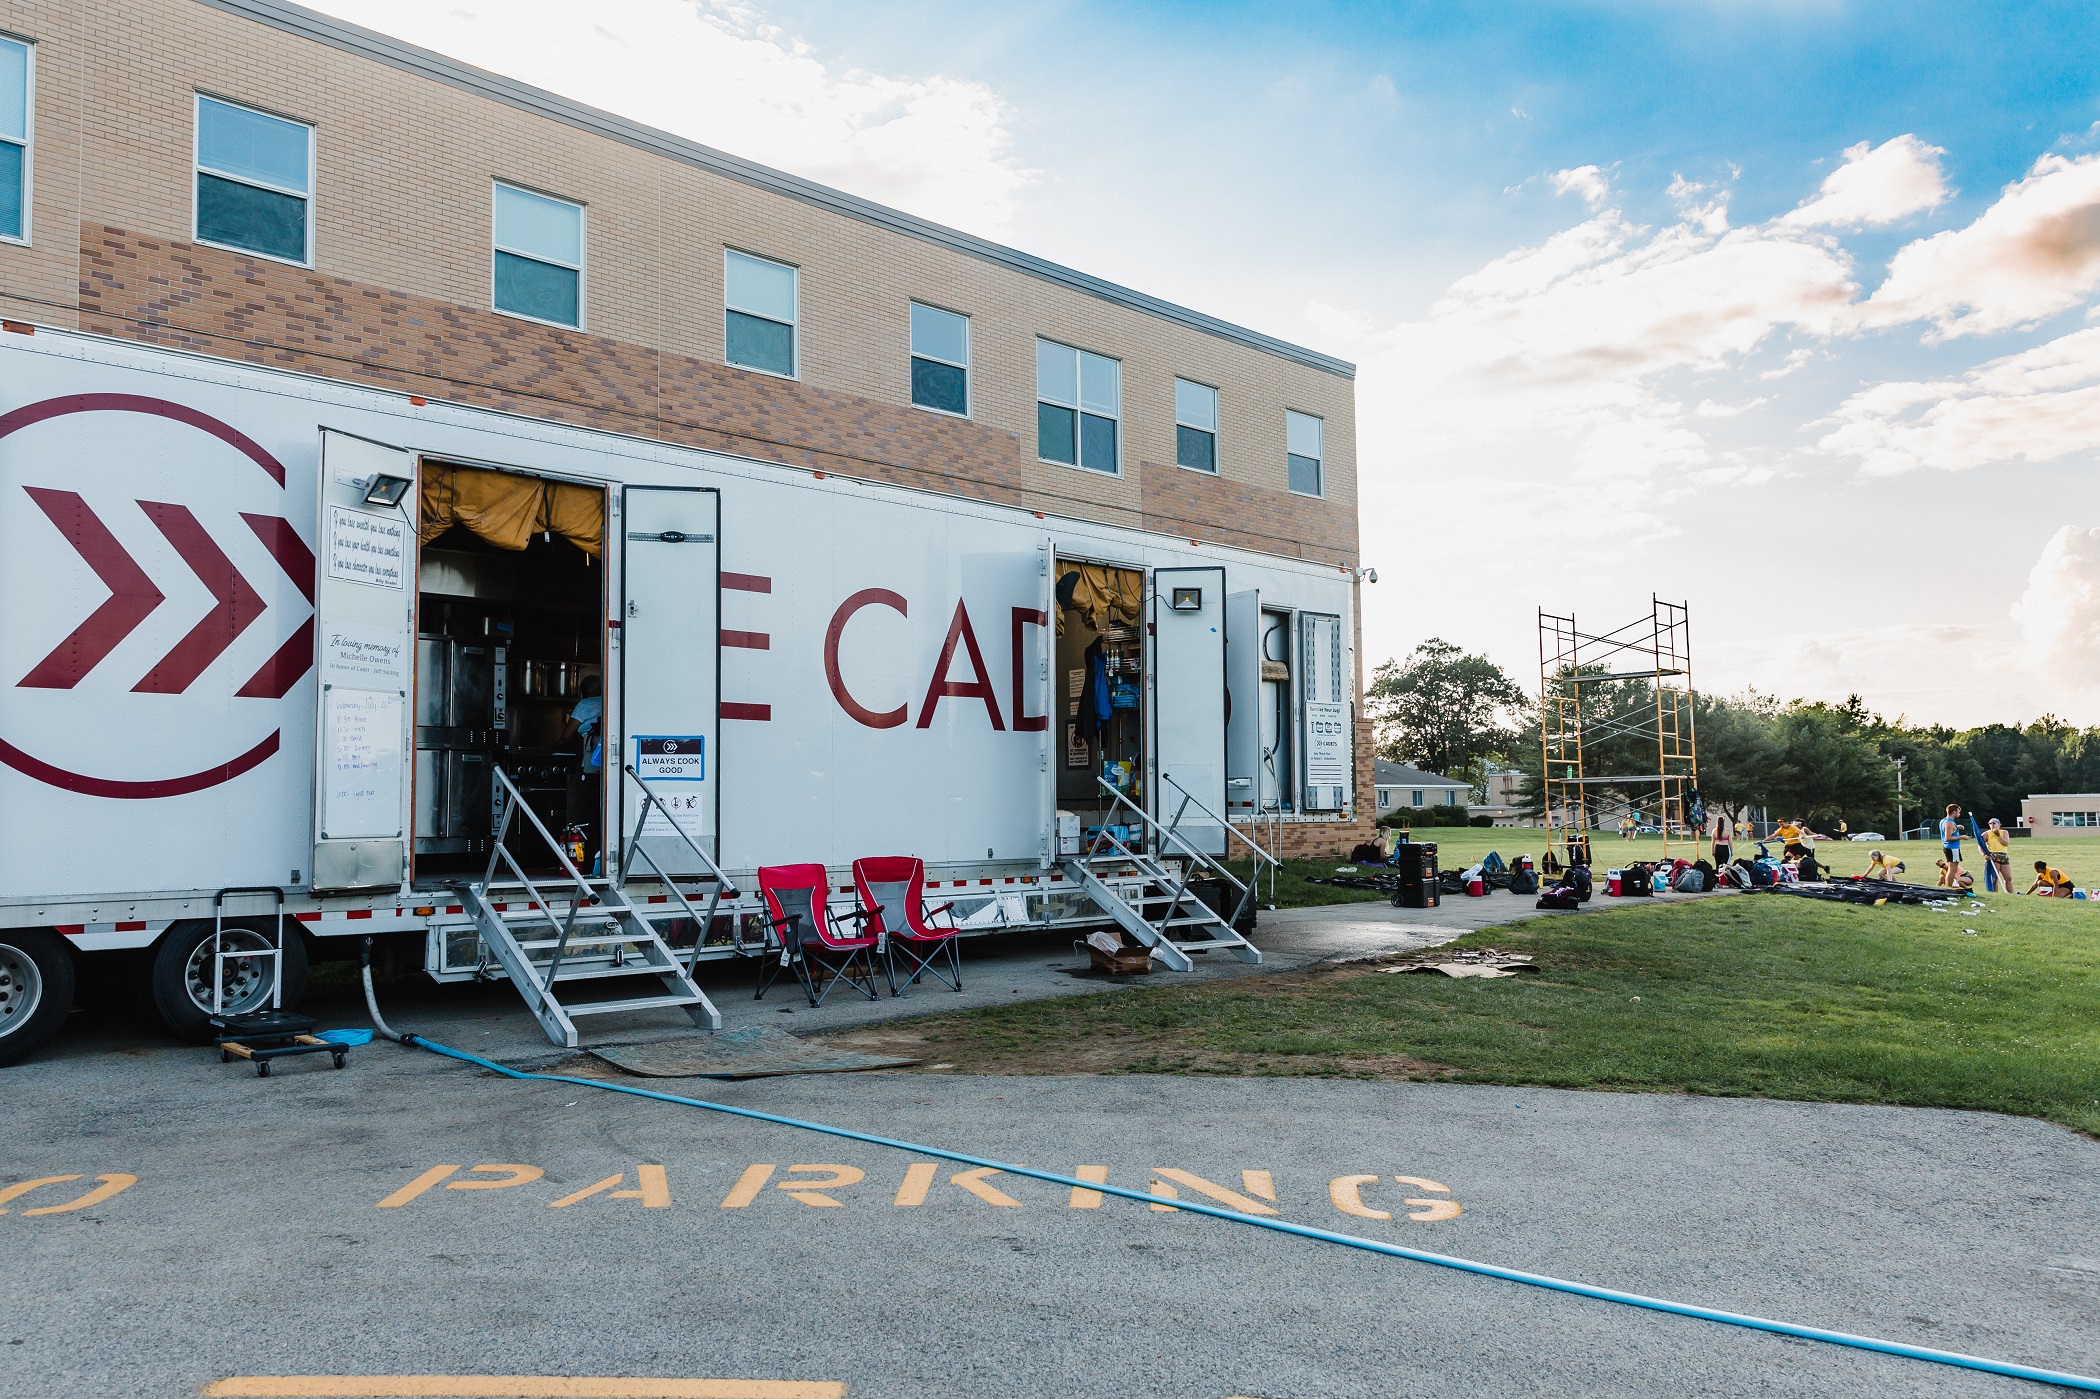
[(36, 989), (180, 979)]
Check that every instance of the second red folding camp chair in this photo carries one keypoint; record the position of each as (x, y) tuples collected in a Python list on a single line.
[(802, 935), (891, 887)]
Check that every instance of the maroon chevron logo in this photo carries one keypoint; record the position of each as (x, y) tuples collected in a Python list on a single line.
[(133, 598)]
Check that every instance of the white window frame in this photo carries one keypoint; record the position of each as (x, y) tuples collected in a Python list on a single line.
[(1418, 798), (581, 267), (28, 141), (794, 326), (1385, 798), (911, 353), (1320, 494), (310, 194), (1079, 428), (1217, 454)]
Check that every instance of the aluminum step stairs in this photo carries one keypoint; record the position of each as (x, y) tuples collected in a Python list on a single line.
[(1186, 925), (584, 930), (1163, 915), (589, 941)]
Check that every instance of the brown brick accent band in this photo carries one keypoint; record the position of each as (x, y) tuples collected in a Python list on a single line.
[(189, 297)]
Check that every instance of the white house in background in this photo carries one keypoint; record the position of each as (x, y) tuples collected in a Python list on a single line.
[(1401, 787), (1504, 804)]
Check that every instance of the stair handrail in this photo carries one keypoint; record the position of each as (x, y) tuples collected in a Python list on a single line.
[(515, 802), (702, 926), (1261, 856), (1167, 834)]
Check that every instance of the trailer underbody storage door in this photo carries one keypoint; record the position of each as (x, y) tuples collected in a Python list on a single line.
[(670, 667), (364, 613), (1188, 619)]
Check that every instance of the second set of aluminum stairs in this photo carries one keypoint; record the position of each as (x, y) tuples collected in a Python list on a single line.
[(601, 934), (1163, 915)]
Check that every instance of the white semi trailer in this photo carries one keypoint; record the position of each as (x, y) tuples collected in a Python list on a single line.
[(270, 633)]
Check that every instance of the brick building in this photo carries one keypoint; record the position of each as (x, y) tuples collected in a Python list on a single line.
[(248, 179)]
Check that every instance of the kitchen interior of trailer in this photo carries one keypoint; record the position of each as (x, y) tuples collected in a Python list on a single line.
[(510, 665)]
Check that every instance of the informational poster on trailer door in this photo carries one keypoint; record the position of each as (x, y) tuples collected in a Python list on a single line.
[(366, 548), (1326, 744), (361, 764)]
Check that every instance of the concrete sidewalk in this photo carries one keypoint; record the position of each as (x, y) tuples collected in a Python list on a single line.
[(491, 1019)]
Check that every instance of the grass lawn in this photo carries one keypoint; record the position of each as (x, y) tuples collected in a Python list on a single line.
[(1460, 846), (1752, 995)]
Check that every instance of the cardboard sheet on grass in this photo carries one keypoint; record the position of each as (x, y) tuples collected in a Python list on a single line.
[(1484, 962), (757, 1052)]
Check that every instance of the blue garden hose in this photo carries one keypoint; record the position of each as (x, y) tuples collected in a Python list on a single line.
[(1463, 1265)]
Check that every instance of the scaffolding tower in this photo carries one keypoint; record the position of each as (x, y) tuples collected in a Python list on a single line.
[(1575, 712)]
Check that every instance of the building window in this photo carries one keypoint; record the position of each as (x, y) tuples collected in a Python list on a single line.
[(539, 257), (1451, 798), (1079, 403), (255, 182), (1195, 426), (1304, 440), (761, 299), (1418, 799), (17, 106), (940, 360), (1385, 798), (2074, 818)]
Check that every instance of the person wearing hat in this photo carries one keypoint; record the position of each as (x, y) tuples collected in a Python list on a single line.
[(1995, 850)]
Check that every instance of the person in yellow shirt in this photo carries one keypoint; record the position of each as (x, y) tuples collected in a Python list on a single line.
[(1793, 837), (1995, 850), (2051, 883), (1880, 866)]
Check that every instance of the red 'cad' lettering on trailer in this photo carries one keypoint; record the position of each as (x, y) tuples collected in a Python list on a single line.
[(133, 597)]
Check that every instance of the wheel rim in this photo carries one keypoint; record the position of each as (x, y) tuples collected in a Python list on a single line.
[(21, 989), (244, 980)]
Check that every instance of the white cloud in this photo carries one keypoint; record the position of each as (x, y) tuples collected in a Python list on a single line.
[(2033, 253), (2059, 615), (2039, 405), (1876, 186), (1588, 181), (1565, 350), (712, 72)]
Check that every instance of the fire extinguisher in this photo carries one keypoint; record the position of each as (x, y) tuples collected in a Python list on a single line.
[(574, 842)]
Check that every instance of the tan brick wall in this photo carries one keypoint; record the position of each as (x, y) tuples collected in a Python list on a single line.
[(404, 167)]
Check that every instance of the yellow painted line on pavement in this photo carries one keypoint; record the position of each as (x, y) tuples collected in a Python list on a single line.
[(511, 1387)]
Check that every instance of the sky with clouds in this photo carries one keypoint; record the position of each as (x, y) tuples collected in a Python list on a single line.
[(1788, 308)]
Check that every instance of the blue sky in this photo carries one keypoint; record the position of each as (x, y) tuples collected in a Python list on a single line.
[(1617, 334)]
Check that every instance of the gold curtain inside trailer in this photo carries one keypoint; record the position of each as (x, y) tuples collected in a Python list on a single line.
[(507, 510), (1102, 595)]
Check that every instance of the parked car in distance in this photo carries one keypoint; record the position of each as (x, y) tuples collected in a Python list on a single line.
[(1867, 835)]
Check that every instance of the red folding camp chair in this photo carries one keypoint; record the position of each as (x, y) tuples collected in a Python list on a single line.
[(803, 936), (891, 890)]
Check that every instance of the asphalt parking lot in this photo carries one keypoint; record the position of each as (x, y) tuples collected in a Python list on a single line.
[(414, 1216)]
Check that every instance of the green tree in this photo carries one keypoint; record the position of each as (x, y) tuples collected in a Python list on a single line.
[(1442, 709), (1738, 749)]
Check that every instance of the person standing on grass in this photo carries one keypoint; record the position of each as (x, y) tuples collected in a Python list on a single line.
[(1724, 842), (2052, 883), (1950, 843), (1995, 850), (1792, 836)]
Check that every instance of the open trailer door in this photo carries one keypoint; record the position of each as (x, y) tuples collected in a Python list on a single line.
[(1325, 695), (670, 662), (1188, 724), (1243, 694), (365, 632)]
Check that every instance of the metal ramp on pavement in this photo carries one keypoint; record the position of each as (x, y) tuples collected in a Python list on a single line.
[(601, 934), (1163, 915)]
